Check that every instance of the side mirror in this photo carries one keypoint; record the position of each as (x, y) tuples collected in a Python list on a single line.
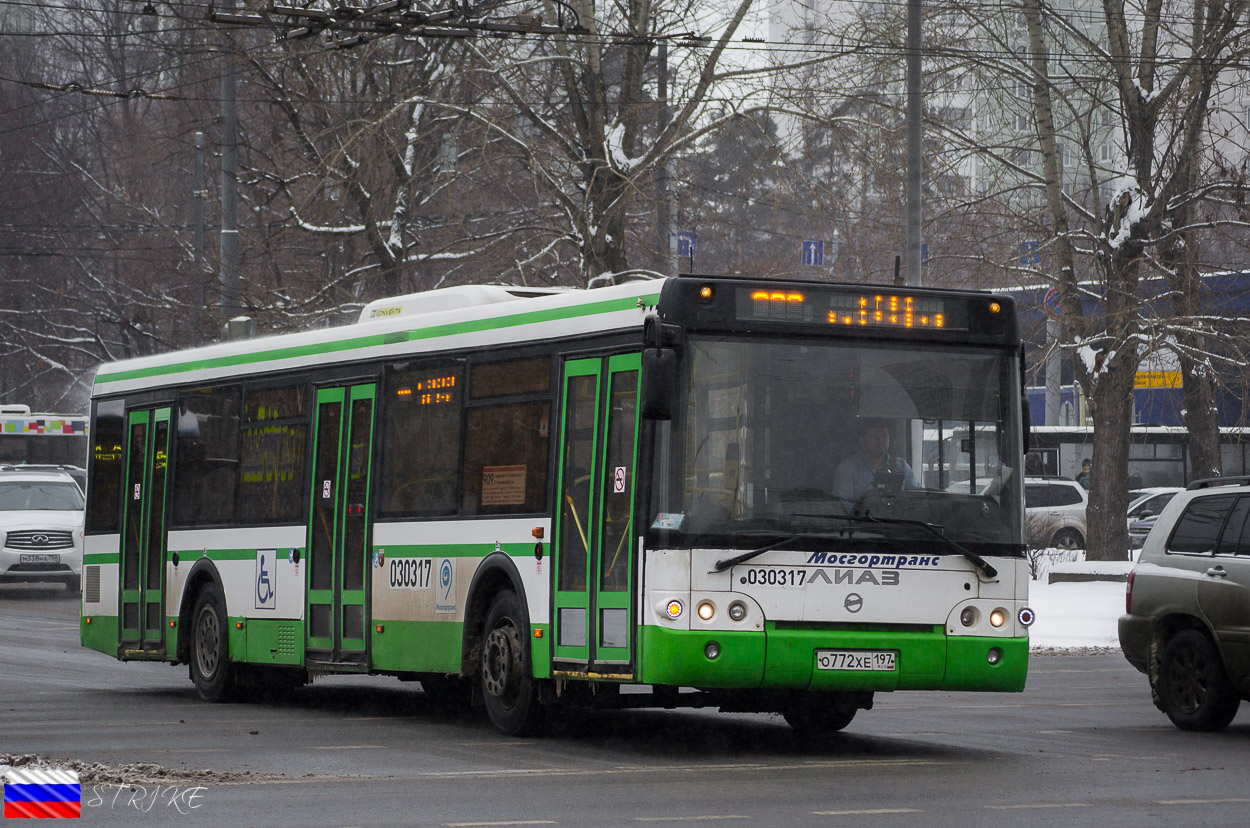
[(660, 368), (659, 384)]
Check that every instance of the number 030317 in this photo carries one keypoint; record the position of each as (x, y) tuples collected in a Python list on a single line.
[(775, 576)]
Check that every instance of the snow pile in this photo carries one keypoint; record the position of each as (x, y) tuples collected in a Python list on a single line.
[(1077, 615)]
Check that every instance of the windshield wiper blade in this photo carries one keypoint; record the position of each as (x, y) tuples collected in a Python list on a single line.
[(980, 563), (728, 563)]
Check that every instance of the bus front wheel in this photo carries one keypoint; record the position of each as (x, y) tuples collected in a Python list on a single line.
[(505, 671), (210, 658), (819, 714)]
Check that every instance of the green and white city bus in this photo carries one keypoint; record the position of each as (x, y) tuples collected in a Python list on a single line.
[(619, 496)]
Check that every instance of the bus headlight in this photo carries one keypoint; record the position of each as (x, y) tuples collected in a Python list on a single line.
[(968, 617), (998, 617), (706, 610), (737, 611)]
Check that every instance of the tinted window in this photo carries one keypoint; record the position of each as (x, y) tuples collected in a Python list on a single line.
[(518, 376), (207, 456), (421, 440), (1036, 496), (1198, 530), (272, 455), (505, 462), (506, 442), (107, 434), (1236, 538), (1064, 495)]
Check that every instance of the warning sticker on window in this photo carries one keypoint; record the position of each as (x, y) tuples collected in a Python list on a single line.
[(503, 485)]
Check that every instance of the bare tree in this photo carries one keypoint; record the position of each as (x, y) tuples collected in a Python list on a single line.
[(1158, 79)]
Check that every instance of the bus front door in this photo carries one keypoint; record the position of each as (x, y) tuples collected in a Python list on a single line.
[(338, 532), (142, 623), (595, 534)]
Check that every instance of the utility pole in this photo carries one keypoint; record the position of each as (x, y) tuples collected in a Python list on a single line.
[(915, 137), (197, 310), (231, 305), (662, 213)]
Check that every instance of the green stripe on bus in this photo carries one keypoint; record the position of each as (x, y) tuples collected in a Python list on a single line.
[(454, 550), (375, 340)]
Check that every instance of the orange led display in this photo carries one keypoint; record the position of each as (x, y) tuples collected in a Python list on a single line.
[(429, 391), (881, 310)]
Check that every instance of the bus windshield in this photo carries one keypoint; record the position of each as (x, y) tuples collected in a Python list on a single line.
[(852, 444)]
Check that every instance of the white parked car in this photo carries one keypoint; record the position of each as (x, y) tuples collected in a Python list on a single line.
[(41, 525), (1054, 512)]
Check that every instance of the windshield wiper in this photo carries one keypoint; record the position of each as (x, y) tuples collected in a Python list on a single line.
[(728, 563), (977, 561)]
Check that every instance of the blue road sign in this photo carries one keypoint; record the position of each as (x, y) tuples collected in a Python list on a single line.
[(814, 253), (686, 243), (1030, 253)]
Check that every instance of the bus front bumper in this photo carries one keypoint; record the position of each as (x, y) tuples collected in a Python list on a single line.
[(780, 657)]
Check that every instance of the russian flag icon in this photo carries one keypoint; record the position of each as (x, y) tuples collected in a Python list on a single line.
[(42, 794)]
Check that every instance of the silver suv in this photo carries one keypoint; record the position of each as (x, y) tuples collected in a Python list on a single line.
[(41, 518), (1187, 625), (1054, 512)]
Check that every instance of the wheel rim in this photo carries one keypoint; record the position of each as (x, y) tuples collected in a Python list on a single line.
[(1065, 540), (207, 636), (501, 664), (1187, 680)]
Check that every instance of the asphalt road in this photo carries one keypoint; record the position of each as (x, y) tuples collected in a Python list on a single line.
[(1081, 746)]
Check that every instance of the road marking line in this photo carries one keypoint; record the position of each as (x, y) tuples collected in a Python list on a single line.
[(870, 811), (689, 818), (485, 824), (1039, 805), (1198, 801), (348, 747)]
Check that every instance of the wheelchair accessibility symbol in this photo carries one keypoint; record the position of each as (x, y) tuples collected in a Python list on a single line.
[(266, 594)]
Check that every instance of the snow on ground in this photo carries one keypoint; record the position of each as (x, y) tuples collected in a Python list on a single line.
[(1076, 615)]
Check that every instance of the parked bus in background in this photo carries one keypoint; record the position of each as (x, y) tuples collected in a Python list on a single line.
[(618, 496)]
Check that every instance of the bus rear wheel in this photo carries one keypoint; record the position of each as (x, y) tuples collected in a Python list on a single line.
[(210, 653), (505, 671)]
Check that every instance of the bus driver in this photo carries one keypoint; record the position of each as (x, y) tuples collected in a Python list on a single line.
[(855, 474)]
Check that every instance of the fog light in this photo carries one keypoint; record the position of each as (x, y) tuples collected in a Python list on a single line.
[(737, 610), (706, 610), (968, 617), (998, 617), (1026, 617), (712, 650), (674, 609), (994, 656)]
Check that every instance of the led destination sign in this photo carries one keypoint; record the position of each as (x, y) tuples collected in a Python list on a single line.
[(429, 391), (855, 309)]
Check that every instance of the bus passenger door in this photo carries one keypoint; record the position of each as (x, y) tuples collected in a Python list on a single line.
[(594, 536), (338, 534), (142, 622)]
